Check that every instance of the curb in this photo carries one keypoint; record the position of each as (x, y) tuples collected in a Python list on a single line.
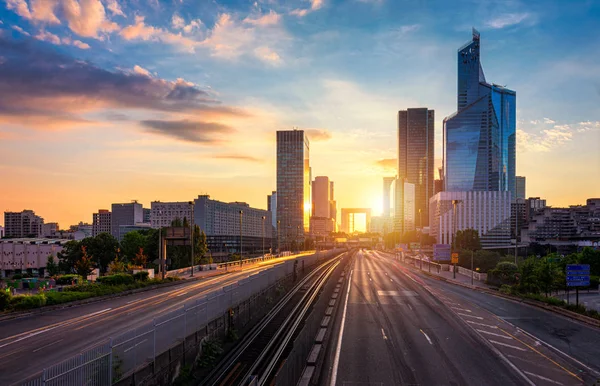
[(96, 299), (558, 310)]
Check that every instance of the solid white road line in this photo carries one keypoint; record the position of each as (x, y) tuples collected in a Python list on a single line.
[(494, 334), (542, 378), (508, 345), (427, 337), (48, 345), (181, 294), (470, 316), (482, 324), (338, 349)]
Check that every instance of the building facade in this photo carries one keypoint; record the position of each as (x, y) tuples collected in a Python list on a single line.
[(27, 254), (50, 229), (387, 195), (479, 152), (147, 215), (22, 224), (416, 154), (162, 214), (293, 187), (405, 209), (272, 207), (322, 221), (1, 232), (101, 222), (486, 212), (222, 221), (520, 188), (125, 214)]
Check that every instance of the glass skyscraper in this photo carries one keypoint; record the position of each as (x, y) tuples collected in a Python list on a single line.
[(480, 138), (293, 187)]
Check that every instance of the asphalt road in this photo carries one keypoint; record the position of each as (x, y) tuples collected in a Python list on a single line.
[(31, 343), (403, 329)]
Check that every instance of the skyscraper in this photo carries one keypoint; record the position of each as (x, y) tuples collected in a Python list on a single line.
[(387, 189), (415, 155), (521, 191), (322, 221), (480, 138), (293, 186)]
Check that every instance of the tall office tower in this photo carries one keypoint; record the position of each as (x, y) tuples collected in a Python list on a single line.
[(521, 190), (405, 208), (125, 214), (22, 224), (332, 207), (387, 188), (322, 221), (415, 155), (101, 222), (480, 138), (293, 187)]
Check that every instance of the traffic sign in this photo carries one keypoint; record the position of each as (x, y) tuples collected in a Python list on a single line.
[(455, 258), (441, 252), (578, 275)]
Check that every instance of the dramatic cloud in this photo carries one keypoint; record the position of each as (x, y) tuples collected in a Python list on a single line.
[(547, 135), (507, 20), (316, 135), (38, 85), (190, 131), (19, 7), (140, 70), (270, 18), (141, 31), (314, 5), (114, 8), (239, 157), (54, 39), (387, 163), (21, 30)]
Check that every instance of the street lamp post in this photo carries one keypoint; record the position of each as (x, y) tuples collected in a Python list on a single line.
[(263, 234), (192, 229), (241, 249)]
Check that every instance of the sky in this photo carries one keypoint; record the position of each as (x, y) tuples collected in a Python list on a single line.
[(106, 101)]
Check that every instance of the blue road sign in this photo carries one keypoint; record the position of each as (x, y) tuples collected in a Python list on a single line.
[(578, 275), (441, 252)]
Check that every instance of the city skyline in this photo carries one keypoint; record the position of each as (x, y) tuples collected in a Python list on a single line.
[(65, 160)]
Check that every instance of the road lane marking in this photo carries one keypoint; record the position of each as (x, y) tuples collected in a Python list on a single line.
[(461, 309), (338, 349), (542, 378), (427, 337), (596, 373), (48, 329), (508, 345), (383, 333), (131, 301), (181, 294), (135, 345), (493, 334), (470, 316), (481, 324), (409, 306), (541, 354), (49, 344)]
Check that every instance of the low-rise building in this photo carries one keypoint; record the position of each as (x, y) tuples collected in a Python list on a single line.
[(50, 229), (162, 214), (486, 212), (101, 222), (22, 224), (21, 254)]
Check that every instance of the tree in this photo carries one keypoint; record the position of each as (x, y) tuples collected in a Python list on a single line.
[(466, 239), (528, 281), (410, 237), (70, 254), (427, 239), (140, 258), (131, 244), (116, 266), (200, 246), (51, 266), (85, 265), (103, 248)]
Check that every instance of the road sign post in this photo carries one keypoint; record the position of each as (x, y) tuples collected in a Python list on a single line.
[(578, 275), (454, 262)]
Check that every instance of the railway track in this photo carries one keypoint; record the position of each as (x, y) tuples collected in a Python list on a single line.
[(255, 358)]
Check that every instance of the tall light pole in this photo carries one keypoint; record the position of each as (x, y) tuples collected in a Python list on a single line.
[(278, 245), (241, 250), (263, 246), (192, 229)]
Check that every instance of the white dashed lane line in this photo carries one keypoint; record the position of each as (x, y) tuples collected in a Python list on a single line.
[(507, 345), (494, 334)]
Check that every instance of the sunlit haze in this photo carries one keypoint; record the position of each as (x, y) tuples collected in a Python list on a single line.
[(119, 100)]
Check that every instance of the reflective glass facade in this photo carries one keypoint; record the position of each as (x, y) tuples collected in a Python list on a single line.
[(415, 155), (293, 186), (480, 138)]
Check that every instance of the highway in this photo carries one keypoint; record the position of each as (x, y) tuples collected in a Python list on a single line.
[(29, 344), (398, 327)]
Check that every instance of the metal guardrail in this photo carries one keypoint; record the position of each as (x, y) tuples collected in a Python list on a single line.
[(115, 358)]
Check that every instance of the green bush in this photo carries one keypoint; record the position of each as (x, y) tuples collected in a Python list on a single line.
[(17, 276), (65, 297), (27, 302), (141, 276), (116, 279), (506, 289), (4, 300), (68, 279)]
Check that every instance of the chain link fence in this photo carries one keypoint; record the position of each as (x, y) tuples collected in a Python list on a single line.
[(118, 357)]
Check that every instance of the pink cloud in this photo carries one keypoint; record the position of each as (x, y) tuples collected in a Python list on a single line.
[(270, 18), (141, 31)]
